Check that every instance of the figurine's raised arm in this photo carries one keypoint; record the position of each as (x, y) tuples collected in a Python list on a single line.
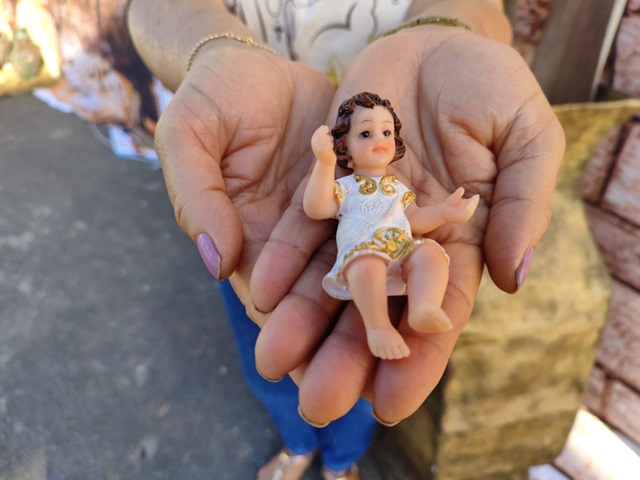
[(454, 209), (319, 201)]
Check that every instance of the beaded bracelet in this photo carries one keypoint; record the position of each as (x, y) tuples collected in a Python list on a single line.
[(437, 20), (225, 36)]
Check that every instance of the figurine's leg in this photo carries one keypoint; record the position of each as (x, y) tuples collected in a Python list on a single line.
[(367, 279), (426, 272)]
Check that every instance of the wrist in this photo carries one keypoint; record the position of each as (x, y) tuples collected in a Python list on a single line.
[(165, 32), (229, 59), (483, 17), (225, 39), (436, 20), (326, 161)]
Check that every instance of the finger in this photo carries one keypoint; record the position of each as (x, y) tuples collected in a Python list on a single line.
[(417, 375), (339, 371), (291, 244), (522, 199), (320, 132), (298, 373), (343, 368), (471, 206), (196, 186), (300, 321)]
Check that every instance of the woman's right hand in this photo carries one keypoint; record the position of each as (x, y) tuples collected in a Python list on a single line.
[(232, 147)]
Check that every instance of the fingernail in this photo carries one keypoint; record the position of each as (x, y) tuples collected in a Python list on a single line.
[(264, 312), (272, 380), (382, 422), (313, 424), (209, 254), (523, 270)]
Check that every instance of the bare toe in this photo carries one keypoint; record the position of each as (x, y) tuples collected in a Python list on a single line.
[(404, 351), (380, 353), (386, 343)]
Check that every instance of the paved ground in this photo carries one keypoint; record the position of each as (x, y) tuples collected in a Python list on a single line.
[(116, 361)]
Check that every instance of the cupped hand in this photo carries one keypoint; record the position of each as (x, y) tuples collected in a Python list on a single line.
[(473, 117), (229, 143)]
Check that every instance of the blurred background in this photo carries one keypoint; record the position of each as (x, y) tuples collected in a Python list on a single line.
[(116, 361)]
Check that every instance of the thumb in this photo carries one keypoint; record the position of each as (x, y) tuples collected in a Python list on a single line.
[(522, 200), (197, 191), (212, 222), (455, 197)]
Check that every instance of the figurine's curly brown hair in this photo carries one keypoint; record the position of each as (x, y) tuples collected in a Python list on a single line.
[(343, 125)]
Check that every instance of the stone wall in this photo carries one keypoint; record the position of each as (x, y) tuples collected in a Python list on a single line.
[(612, 189), (519, 371)]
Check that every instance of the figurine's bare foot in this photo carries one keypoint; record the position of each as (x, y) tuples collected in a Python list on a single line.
[(386, 343), (430, 319)]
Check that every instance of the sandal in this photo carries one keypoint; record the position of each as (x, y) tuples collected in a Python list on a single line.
[(350, 474), (285, 466)]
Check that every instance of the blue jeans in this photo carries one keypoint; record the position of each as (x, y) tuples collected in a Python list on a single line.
[(341, 443)]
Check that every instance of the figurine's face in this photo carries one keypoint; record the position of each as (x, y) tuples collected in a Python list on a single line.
[(370, 139)]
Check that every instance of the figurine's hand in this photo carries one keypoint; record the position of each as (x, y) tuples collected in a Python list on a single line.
[(322, 146), (234, 145), (473, 115), (458, 209)]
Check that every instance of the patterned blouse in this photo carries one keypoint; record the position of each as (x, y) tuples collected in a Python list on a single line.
[(324, 34)]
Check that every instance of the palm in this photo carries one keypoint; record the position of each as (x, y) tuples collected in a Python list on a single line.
[(461, 129), (236, 158)]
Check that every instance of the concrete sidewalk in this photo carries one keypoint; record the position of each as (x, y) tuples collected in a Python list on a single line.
[(116, 361)]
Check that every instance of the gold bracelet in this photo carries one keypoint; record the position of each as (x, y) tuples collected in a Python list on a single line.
[(444, 21), (225, 36)]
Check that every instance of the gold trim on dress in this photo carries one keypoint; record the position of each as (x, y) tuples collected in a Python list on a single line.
[(407, 198), (386, 184), (389, 240), (338, 191), (368, 187)]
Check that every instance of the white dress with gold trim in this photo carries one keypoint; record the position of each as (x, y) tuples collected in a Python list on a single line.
[(372, 221)]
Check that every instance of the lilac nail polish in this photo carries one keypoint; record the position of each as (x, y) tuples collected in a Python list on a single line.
[(209, 254), (523, 270)]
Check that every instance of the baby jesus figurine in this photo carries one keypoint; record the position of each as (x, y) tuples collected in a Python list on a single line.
[(377, 254)]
